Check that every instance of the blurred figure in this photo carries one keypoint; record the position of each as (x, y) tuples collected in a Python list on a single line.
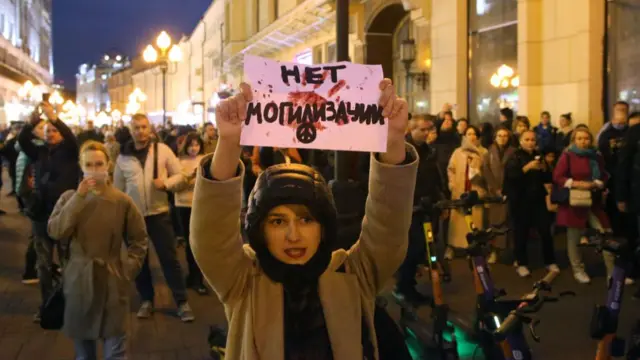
[(209, 138), (545, 132), (563, 136)]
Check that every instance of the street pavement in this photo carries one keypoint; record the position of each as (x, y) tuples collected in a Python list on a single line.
[(564, 328)]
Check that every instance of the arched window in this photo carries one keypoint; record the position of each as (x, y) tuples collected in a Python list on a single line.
[(623, 53), (493, 58)]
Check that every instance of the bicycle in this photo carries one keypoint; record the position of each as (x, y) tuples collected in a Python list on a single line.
[(431, 334), (509, 333), (604, 321)]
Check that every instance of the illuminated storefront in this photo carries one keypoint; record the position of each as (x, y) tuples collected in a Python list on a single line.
[(493, 58), (623, 45)]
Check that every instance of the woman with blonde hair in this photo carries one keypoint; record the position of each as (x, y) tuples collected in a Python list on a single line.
[(98, 219)]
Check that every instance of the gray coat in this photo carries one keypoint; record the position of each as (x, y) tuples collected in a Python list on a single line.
[(96, 279)]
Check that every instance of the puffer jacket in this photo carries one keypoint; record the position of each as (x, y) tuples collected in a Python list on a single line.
[(136, 180)]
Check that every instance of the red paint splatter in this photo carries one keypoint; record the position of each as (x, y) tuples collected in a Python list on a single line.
[(337, 87)]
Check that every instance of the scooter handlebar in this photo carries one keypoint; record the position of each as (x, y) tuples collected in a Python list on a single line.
[(470, 199)]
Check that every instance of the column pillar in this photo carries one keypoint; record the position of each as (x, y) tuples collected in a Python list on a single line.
[(449, 57), (572, 59), (530, 58)]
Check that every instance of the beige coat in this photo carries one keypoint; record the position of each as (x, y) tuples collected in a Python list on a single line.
[(456, 173), (254, 303), (96, 280), (493, 168)]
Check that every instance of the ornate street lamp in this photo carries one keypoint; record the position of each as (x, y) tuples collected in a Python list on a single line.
[(165, 54), (408, 56)]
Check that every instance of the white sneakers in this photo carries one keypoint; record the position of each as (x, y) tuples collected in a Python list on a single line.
[(581, 277), (493, 258), (553, 268), (523, 271)]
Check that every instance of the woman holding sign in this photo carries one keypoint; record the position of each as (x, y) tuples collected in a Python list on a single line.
[(286, 294)]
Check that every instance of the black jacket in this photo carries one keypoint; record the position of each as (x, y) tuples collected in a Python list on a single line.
[(524, 190), (627, 175), (89, 135), (609, 144), (429, 182), (57, 167)]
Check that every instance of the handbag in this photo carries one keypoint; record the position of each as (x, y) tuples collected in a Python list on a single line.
[(580, 198), (52, 312)]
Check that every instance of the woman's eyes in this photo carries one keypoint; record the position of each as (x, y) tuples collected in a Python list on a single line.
[(303, 220)]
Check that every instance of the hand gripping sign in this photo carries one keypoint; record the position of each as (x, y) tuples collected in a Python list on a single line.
[(325, 106)]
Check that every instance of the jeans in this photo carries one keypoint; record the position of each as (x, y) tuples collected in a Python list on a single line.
[(575, 257), (161, 234), (195, 275), (44, 247), (114, 348)]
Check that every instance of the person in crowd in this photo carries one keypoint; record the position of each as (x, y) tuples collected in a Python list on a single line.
[(628, 181), (447, 141), (609, 144), (263, 157), (494, 162), (563, 136), (545, 132), (113, 149), (98, 219), (430, 187), (581, 167), (289, 266), (25, 188), (145, 171), (210, 138), (446, 108), (525, 176), (465, 173), (487, 134), (461, 126), (91, 133), (56, 171), (520, 125), (190, 154), (634, 119), (506, 118)]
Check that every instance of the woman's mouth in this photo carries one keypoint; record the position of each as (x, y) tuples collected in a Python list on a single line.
[(296, 253)]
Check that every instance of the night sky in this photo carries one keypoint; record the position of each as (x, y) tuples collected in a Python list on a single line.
[(83, 30)]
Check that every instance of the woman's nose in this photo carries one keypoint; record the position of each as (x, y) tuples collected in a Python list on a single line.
[(293, 234)]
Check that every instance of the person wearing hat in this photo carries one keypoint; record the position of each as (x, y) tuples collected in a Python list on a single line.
[(288, 294)]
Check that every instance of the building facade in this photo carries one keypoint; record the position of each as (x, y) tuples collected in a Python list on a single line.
[(92, 83), (477, 55), (25, 54)]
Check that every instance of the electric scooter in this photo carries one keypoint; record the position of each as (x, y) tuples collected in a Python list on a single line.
[(509, 334), (430, 334), (490, 304), (604, 322)]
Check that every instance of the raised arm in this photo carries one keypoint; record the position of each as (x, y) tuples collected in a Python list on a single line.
[(383, 241), (215, 218), (25, 139), (64, 219)]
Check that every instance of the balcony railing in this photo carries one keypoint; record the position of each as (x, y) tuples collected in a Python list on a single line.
[(14, 60)]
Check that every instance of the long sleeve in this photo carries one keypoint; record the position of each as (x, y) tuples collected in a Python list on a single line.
[(215, 233), (561, 171), (70, 140), (25, 139), (137, 239), (118, 178), (175, 178), (64, 219), (383, 241), (625, 165), (488, 174), (451, 171)]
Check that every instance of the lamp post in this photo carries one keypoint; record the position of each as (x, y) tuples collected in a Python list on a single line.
[(165, 54), (408, 56)]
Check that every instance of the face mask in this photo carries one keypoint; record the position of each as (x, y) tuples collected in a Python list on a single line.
[(99, 176), (618, 126)]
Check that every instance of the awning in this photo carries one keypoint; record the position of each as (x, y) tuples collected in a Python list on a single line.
[(296, 27)]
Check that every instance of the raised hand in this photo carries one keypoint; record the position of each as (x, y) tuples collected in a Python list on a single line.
[(231, 112), (396, 111)]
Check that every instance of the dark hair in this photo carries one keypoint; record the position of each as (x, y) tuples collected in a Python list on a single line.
[(474, 128), (190, 137), (567, 116), (634, 115), (620, 102), (463, 120), (448, 113), (545, 113), (207, 124), (521, 119)]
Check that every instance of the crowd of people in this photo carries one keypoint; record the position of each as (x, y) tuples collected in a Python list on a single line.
[(90, 191)]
